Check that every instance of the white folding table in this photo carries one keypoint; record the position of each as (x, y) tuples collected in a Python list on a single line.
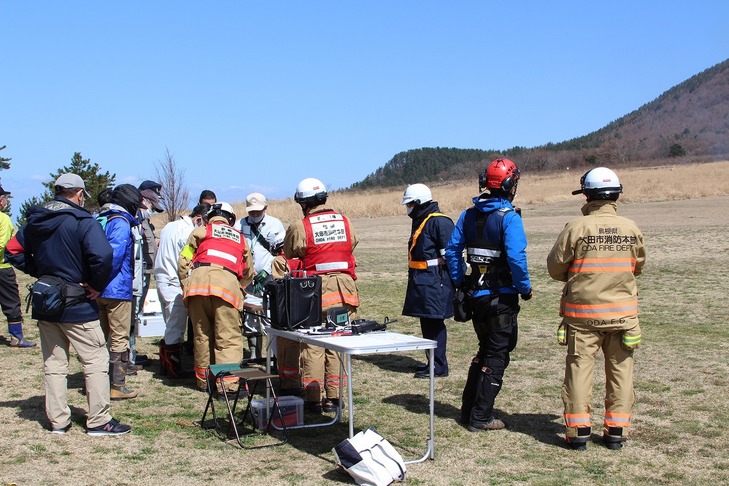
[(368, 343)]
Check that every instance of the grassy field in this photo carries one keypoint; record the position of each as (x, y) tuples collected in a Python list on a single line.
[(680, 431)]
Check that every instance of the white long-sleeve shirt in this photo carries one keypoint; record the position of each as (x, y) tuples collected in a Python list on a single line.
[(172, 240)]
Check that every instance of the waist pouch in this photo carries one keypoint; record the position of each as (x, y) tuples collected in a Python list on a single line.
[(294, 302), (49, 295)]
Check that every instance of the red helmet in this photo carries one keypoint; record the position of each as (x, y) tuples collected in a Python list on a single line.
[(501, 174)]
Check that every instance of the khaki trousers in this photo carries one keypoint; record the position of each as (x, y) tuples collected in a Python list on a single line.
[(88, 341), (116, 321), (216, 326), (287, 360), (582, 347)]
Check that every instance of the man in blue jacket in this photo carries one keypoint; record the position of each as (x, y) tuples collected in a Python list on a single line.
[(61, 239), (493, 235), (115, 302)]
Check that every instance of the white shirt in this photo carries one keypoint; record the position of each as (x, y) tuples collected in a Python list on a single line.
[(172, 240), (271, 230)]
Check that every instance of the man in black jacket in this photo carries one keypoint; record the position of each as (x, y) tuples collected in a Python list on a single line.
[(429, 294), (62, 240)]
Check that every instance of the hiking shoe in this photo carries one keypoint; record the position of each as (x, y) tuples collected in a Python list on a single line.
[(62, 430), (121, 393), (112, 427), (330, 405), (426, 374), (493, 424)]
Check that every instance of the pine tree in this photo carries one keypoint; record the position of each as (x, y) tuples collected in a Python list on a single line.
[(94, 179)]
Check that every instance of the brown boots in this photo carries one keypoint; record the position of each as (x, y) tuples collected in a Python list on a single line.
[(170, 362), (118, 365)]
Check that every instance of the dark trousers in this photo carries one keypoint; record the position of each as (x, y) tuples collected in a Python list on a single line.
[(9, 296), (495, 323), (435, 329)]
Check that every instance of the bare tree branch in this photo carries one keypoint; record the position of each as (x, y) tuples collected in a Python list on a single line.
[(175, 193)]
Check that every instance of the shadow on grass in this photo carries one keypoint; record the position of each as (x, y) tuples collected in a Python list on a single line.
[(394, 362), (33, 409), (540, 426)]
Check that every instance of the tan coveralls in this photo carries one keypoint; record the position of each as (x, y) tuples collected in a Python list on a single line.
[(214, 307), (598, 256), (318, 366)]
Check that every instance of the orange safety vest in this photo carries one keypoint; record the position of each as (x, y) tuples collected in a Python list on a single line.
[(423, 264), (328, 244), (223, 245)]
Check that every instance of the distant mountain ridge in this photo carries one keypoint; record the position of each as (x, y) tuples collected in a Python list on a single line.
[(689, 122)]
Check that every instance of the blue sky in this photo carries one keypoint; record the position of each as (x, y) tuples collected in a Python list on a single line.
[(255, 96)]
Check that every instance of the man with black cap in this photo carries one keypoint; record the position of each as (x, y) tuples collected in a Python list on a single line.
[(151, 195), (9, 296), (62, 240)]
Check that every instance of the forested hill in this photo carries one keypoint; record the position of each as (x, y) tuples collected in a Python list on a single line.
[(689, 122)]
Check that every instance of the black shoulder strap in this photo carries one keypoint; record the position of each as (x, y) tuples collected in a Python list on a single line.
[(263, 241)]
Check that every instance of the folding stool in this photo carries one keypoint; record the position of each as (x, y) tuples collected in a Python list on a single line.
[(215, 374)]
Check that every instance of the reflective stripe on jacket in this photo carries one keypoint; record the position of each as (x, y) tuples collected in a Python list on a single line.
[(328, 244), (598, 257), (223, 245)]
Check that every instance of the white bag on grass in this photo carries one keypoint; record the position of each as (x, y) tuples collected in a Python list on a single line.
[(370, 459)]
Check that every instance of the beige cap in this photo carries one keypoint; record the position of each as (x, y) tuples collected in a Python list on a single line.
[(255, 202)]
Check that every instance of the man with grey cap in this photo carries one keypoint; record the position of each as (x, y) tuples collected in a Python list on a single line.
[(62, 244), (261, 231)]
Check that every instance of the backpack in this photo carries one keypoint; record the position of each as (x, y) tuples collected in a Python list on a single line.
[(104, 220)]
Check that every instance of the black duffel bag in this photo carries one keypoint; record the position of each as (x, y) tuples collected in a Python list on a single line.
[(294, 302)]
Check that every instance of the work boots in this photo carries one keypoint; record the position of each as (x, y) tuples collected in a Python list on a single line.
[(170, 362), (118, 365), (15, 329)]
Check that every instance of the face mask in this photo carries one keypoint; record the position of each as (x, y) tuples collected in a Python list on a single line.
[(409, 208), (255, 220), (145, 213)]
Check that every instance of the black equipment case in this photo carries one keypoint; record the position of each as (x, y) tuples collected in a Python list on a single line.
[(294, 302)]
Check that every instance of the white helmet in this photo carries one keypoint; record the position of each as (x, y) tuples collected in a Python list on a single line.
[(417, 193), (600, 183), (222, 209), (311, 190)]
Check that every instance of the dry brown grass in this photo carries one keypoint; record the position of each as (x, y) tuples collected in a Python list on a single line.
[(681, 424), (640, 185)]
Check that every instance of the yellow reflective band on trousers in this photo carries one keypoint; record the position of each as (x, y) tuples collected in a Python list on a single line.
[(577, 420), (614, 419), (631, 341), (603, 265), (601, 311)]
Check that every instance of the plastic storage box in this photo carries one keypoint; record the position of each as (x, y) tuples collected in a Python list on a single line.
[(292, 409), (150, 325)]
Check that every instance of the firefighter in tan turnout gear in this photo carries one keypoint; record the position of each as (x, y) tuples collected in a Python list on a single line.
[(323, 240), (220, 267), (598, 257)]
